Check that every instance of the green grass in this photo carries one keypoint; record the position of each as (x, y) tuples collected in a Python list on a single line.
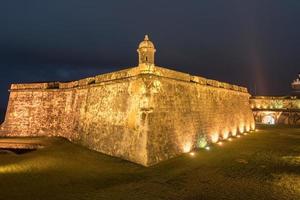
[(262, 165)]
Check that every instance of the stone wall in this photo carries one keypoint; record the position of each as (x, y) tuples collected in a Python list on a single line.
[(102, 117), (184, 113), (277, 103), (144, 114)]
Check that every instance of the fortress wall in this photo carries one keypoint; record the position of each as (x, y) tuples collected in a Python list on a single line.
[(145, 114), (103, 117), (185, 114), (41, 112), (110, 119)]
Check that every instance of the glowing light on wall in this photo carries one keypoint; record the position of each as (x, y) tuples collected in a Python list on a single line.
[(214, 137), (233, 132), (202, 142), (187, 147), (225, 134), (207, 148), (220, 143), (248, 128), (230, 139), (242, 128), (238, 136), (253, 126)]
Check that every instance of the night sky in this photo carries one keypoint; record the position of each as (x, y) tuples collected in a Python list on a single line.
[(253, 43)]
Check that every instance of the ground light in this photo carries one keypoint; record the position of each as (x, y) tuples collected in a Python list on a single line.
[(220, 143), (192, 153)]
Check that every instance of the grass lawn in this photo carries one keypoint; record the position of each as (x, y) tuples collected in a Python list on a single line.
[(261, 165)]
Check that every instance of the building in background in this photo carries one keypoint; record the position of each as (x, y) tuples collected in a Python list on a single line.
[(280, 109), (296, 86)]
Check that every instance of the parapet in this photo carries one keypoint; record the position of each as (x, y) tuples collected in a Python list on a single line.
[(67, 85), (275, 103), (127, 73), (23, 86)]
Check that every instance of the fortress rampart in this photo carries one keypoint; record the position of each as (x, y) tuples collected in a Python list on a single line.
[(145, 114)]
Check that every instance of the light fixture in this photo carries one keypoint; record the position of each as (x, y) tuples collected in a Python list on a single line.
[(192, 153)]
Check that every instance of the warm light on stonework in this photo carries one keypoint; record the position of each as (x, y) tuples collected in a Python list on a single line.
[(252, 126), (187, 147), (233, 132), (248, 128), (202, 142), (242, 128), (225, 134), (214, 137)]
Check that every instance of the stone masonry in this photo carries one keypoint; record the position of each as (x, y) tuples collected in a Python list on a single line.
[(276, 109), (145, 114)]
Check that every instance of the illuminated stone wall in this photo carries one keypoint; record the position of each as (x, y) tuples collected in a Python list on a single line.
[(284, 110), (101, 113), (144, 114), (184, 113), (269, 102)]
